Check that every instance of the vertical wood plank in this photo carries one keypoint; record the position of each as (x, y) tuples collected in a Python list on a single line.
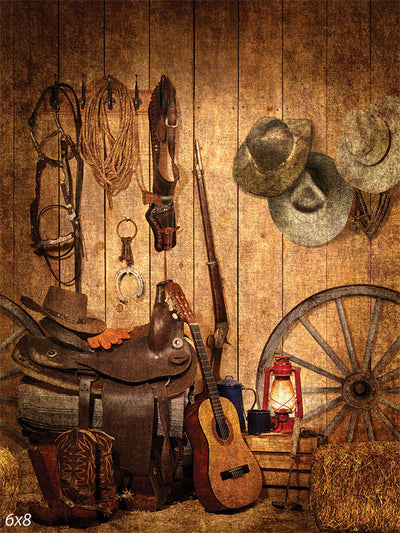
[(171, 53), (260, 242), (348, 82), (385, 81), (303, 43), (127, 54), (6, 150), (81, 52), (216, 97), (23, 77), (7, 244), (36, 31), (304, 96)]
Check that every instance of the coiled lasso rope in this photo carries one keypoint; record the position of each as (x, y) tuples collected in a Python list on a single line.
[(112, 155)]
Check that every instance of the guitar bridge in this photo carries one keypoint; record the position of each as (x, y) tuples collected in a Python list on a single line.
[(234, 473)]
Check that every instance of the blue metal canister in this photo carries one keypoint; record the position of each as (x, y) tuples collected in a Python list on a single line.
[(232, 389)]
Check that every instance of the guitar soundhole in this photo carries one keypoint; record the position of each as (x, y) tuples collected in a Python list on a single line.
[(223, 431)]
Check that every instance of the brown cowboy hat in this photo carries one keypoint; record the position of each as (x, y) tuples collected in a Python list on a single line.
[(318, 205), (68, 308), (368, 153), (273, 155)]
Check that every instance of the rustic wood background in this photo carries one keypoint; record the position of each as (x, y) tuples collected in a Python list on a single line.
[(231, 62)]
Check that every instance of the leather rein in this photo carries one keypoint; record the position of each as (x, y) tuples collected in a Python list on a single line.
[(68, 148)]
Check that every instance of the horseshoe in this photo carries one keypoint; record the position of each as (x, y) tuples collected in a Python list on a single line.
[(128, 270)]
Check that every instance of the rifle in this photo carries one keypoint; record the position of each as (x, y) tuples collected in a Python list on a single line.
[(215, 341)]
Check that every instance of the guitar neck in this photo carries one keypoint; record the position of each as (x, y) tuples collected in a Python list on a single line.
[(207, 373)]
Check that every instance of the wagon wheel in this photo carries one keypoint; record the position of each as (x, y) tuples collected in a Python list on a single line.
[(14, 323), (365, 387)]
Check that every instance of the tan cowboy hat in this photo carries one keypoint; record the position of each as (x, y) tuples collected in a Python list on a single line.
[(317, 207), (368, 154), (273, 155), (68, 308)]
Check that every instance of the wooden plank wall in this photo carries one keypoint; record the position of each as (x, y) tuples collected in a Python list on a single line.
[(231, 62)]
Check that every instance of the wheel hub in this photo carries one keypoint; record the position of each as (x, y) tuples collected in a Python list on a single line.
[(360, 390)]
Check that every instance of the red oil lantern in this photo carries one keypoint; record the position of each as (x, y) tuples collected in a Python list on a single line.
[(280, 396)]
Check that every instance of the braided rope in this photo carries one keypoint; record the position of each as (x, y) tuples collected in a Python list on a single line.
[(112, 158)]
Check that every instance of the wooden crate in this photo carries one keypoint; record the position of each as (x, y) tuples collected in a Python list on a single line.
[(273, 455)]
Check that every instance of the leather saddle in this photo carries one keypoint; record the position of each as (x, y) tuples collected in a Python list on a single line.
[(132, 379)]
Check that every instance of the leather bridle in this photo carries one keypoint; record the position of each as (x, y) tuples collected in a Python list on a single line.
[(68, 149)]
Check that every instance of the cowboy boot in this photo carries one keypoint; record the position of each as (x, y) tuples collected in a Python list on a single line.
[(108, 495), (76, 506), (43, 456)]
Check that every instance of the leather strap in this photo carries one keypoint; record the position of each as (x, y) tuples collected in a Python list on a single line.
[(128, 415), (163, 123), (85, 385), (167, 454)]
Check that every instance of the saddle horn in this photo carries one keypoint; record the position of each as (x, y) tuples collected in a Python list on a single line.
[(162, 324)]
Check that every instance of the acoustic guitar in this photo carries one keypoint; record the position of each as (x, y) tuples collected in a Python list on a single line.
[(225, 473)]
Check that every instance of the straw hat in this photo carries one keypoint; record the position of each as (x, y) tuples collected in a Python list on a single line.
[(317, 207), (368, 154), (68, 308), (273, 155)]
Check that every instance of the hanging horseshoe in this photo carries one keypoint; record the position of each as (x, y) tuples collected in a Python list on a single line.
[(127, 256)]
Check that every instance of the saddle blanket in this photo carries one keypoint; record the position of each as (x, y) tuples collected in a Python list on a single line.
[(44, 407)]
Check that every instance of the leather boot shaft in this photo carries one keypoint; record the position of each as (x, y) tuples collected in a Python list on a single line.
[(76, 505), (107, 495)]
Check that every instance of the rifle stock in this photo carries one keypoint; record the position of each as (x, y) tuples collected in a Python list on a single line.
[(216, 341)]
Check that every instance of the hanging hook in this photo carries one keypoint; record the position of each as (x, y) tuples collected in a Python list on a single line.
[(137, 102), (110, 101), (82, 99), (55, 100)]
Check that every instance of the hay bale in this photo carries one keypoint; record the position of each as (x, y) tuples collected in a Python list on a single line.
[(9, 484), (355, 487)]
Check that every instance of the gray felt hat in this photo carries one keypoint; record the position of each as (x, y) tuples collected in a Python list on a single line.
[(368, 153), (318, 205), (273, 155)]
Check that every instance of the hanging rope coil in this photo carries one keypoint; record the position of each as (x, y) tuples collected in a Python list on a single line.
[(112, 155), (370, 220)]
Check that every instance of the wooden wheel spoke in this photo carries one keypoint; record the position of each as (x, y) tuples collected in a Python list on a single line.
[(390, 389), (323, 408), (346, 334), (352, 425), (10, 373), (312, 367), (324, 345), (371, 334), (389, 403), (386, 356), (387, 422), (335, 420), (368, 425), (389, 376), (313, 390), (8, 399), (13, 432), (12, 338)]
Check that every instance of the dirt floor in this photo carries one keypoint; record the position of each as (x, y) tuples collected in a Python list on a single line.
[(187, 516)]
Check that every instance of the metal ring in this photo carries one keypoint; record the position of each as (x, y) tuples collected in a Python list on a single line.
[(140, 283), (127, 219)]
